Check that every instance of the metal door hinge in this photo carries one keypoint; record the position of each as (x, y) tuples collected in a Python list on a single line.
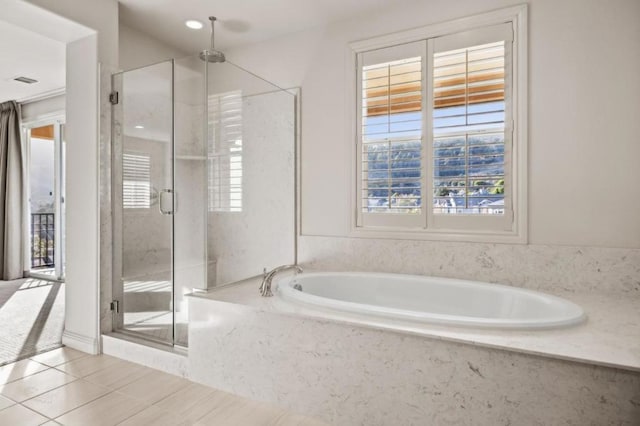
[(113, 98), (115, 306)]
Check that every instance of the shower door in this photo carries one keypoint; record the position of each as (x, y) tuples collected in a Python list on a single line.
[(144, 200)]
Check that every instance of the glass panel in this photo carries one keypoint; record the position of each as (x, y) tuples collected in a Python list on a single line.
[(143, 143), (222, 141), (251, 174), (63, 194), (42, 200), (190, 220)]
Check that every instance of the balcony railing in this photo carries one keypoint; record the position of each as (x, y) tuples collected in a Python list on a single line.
[(42, 240)]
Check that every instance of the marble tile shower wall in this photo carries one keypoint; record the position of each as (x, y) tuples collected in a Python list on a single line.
[(146, 245), (537, 267), (262, 234), (147, 248)]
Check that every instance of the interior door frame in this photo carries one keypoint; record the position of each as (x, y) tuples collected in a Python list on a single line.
[(57, 120)]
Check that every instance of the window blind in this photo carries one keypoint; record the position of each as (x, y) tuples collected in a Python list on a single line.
[(225, 152), (136, 181), (391, 136), (468, 126)]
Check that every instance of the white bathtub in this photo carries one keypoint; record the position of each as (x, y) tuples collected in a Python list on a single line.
[(431, 300)]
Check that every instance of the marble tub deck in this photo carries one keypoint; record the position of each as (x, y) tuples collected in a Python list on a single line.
[(610, 337)]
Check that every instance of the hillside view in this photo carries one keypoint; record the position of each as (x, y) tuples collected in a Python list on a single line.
[(467, 169)]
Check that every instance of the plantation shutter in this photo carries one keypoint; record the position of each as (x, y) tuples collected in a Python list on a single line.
[(225, 152), (471, 127), (390, 135), (136, 181)]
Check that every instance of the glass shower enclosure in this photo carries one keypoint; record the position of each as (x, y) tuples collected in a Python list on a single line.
[(203, 188)]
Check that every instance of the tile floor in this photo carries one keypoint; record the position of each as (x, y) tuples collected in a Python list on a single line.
[(68, 387)]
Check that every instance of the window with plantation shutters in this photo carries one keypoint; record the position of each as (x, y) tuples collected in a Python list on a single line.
[(435, 133), (136, 181), (391, 134), (470, 108), (469, 130)]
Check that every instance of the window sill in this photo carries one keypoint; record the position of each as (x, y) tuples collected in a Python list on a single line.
[(500, 237)]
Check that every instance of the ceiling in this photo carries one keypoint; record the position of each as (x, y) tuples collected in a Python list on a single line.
[(40, 56), (26, 53), (239, 21)]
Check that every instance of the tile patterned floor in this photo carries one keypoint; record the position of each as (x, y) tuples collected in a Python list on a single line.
[(68, 387)]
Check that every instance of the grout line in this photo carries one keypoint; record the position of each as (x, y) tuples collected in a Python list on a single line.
[(93, 400), (75, 379), (43, 371), (118, 360), (75, 408), (33, 411), (134, 381), (134, 414), (84, 355), (48, 390)]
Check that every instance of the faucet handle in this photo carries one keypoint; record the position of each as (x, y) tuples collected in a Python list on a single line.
[(264, 280)]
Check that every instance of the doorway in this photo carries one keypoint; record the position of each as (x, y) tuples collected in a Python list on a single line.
[(45, 149)]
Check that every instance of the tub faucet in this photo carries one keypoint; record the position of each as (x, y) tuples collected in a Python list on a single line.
[(265, 287)]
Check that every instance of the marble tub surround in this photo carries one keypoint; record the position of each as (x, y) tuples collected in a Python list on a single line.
[(346, 373), (152, 355), (552, 269), (610, 337)]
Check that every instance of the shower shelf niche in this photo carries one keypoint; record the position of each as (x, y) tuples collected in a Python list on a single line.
[(191, 157)]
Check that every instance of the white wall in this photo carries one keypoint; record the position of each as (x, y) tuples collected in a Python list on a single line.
[(82, 217), (37, 109), (82, 190), (99, 15), (583, 109), (137, 49)]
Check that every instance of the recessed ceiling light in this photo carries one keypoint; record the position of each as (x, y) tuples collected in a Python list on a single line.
[(139, 127), (193, 24)]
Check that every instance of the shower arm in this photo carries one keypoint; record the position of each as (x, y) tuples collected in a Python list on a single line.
[(212, 19)]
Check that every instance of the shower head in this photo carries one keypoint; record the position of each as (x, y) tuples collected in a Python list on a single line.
[(212, 55)]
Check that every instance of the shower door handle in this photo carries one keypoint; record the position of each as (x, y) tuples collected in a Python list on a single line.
[(164, 192)]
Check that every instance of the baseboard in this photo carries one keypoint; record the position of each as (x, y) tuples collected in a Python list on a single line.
[(81, 342), (169, 360)]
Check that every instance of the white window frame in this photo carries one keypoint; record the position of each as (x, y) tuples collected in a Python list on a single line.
[(512, 228)]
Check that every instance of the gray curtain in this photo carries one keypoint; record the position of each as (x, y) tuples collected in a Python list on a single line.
[(11, 190)]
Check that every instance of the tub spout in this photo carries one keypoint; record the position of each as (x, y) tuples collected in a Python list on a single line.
[(265, 287)]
